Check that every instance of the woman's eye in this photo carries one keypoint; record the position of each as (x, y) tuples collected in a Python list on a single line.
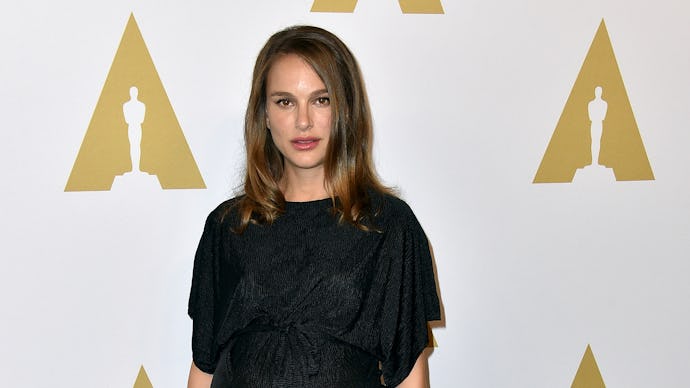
[(283, 102), (323, 101)]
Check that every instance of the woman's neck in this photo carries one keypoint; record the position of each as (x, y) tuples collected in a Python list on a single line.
[(303, 187)]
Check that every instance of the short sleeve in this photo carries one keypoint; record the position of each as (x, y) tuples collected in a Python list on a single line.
[(203, 298), (410, 301)]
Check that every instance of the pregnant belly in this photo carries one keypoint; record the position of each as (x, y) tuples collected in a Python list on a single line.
[(293, 356)]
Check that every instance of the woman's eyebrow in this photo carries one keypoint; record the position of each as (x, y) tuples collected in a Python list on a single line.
[(279, 93), (320, 91)]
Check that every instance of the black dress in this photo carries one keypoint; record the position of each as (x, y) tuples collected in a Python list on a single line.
[(310, 302)]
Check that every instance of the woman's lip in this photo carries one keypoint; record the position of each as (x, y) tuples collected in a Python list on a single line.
[(305, 143)]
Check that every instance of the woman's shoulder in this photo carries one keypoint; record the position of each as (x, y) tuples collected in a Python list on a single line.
[(225, 209), (390, 209)]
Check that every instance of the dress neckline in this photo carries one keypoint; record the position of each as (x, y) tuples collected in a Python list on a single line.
[(291, 207)]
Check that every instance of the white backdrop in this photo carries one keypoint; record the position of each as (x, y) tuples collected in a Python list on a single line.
[(95, 284)]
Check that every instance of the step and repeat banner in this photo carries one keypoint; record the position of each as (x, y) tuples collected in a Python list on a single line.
[(542, 145)]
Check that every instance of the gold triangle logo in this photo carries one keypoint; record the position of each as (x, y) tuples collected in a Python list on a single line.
[(588, 375), (597, 127), (134, 128), (142, 380), (407, 6), (421, 6), (344, 6)]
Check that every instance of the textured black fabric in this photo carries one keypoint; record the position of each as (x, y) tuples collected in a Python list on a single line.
[(309, 302)]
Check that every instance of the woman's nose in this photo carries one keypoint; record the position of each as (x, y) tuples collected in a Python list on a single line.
[(303, 118)]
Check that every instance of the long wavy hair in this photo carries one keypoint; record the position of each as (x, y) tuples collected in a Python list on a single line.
[(350, 176)]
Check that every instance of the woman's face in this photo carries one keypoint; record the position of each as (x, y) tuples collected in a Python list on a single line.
[(298, 114)]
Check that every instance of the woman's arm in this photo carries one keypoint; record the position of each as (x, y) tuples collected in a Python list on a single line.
[(419, 375), (199, 379)]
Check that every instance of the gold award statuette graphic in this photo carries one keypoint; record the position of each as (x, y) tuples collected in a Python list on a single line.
[(142, 380), (134, 135), (588, 375), (407, 6), (596, 135)]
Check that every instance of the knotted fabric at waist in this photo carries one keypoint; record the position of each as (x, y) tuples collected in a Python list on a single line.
[(266, 353), (304, 347)]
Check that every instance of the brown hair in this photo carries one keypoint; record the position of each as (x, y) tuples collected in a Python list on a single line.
[(349, 169)]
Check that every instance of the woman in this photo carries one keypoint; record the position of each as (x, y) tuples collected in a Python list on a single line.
[(317, 276)]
